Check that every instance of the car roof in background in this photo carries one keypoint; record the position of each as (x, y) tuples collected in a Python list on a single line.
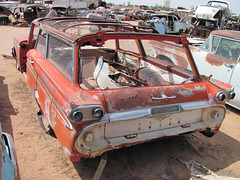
[(227, 33)]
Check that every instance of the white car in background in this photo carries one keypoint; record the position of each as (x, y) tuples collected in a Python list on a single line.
[(168, 21), (219, 56)]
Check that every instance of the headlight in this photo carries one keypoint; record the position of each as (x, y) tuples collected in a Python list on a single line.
[(98, 112)]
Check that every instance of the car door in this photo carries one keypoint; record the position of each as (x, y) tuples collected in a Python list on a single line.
[(34, 71), (176, 25), (32, 75)]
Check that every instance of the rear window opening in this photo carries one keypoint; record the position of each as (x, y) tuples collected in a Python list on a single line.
[(106, 68)]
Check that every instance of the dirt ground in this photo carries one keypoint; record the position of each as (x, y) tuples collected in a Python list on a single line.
[(41, 157)]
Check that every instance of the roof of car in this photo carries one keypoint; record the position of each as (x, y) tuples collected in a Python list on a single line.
[(66, 26), (227, 33)]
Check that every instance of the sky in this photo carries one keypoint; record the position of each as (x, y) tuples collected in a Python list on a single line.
[(234, 4)]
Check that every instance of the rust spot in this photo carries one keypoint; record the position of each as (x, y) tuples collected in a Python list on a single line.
[(150, 125), (179, 121), (170, 122), (139, 126), (82, 96), (216, 60), (134, 96), (119, 97)]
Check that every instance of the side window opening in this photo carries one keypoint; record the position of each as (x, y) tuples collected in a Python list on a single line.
[(205, 44), (90, 58), (60, 55), (35, 32), (229, 49), (41, 43), (215, 43), (128, 46)]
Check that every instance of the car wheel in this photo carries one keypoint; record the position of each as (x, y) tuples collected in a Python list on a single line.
[(44, 123)]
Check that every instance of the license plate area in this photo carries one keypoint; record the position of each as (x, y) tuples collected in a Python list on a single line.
[(156, 111)]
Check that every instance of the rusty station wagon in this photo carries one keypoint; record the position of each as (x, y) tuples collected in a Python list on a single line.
[(99, 88)]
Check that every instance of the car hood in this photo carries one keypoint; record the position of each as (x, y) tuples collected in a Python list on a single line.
[(206, 12)]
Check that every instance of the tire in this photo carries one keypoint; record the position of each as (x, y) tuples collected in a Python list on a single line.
[(44, 123)]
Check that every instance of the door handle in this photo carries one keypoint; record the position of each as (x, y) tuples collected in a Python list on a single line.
[(228, 65), (163, 97)]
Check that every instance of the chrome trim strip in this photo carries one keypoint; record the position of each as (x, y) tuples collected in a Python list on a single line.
[(46, 46), (67, 123), (146, 112), (15, 42), (74, 63)]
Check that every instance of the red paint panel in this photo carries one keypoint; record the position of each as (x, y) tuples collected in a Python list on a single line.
[(216, 60), (140, 97)]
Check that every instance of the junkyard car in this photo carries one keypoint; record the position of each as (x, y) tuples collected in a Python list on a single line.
[(29, 12), (8, 163), (171, 23), (219, 56), (103, 90), (4, 15)]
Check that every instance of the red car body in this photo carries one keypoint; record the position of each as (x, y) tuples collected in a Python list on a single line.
[(98, 97)]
